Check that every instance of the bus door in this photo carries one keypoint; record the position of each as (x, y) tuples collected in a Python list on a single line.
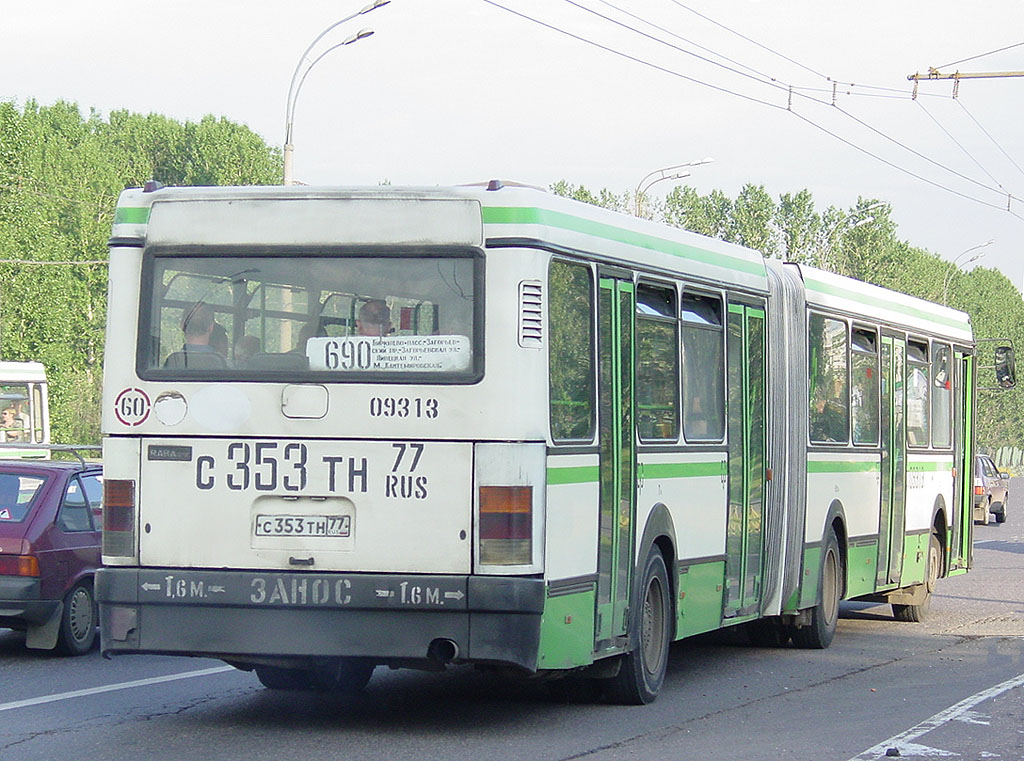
[(746, 428), (962, 520), (618, 459), (892, 508)]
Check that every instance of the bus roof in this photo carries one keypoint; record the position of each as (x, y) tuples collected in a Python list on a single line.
[(843, 294), (470, 215), (13, 372)]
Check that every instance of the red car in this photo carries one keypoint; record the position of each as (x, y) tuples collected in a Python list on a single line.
[(50, 531)]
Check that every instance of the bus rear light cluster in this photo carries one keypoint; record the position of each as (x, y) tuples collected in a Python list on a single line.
[(506, 525), (19, 565), (118, 517)]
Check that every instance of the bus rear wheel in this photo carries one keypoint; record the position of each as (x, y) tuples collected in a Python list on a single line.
[(642, 671), (278, 678), (818, 634), (346, 676), (917, 613)]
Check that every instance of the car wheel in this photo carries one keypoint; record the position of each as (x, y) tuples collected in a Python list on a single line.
[(78, 621), (1001, 515)]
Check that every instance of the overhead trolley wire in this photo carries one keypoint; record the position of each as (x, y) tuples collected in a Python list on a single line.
[(748, 39), (1010, 158), (899, 168), (761, 76), (778, 84), (628, 56), (980, 55), (760, 101), (960, 145), (785, 57)]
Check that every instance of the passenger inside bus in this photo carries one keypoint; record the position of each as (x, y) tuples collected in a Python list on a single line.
[(198, 351), (374, 319), (13, 427), (247, 346)]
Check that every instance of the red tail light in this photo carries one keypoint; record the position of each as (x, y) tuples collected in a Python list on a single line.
[(506, 525), (118, 517), (19, 565)]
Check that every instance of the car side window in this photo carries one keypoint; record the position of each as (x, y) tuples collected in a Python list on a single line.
[(74, 509), (94, 492)]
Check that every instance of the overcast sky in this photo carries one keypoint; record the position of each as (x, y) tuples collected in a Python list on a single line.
[(454, 91)]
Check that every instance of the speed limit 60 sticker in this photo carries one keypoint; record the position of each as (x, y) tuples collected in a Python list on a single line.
[(131, 407)]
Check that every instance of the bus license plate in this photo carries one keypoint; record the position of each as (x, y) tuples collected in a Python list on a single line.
[(303, 525)]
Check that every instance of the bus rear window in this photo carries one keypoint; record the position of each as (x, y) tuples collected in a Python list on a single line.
[(310, 316)]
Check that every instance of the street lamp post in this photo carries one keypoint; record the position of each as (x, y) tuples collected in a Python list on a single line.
[(295, 85), (956, 266), (676, 172)]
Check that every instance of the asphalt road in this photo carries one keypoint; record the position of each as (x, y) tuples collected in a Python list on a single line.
[(952, 687)]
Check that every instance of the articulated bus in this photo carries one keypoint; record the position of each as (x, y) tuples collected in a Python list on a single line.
[(413, 427)]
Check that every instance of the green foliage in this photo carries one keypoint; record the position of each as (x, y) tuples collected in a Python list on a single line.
[(60, 175), (861, 242)]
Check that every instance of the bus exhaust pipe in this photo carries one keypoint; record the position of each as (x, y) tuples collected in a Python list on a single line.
[(443, 651)]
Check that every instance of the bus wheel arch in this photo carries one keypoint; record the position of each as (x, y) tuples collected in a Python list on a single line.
[(817, 631), (940, 529), (659, 532), (836, 525), (641, 671)]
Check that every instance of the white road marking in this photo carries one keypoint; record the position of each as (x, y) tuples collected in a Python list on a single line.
[(904, 740), (111, 688)]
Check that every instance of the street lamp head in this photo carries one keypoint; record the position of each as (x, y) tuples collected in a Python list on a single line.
[(362, 34), (374, 6)]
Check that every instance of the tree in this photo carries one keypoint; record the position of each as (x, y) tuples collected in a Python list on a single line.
[(60, 176)]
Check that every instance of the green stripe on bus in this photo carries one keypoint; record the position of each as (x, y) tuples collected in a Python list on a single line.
[(921, 467), (683, 469), (525, 215), (131, 215), (579, 475), (829, 466), (846, 293)]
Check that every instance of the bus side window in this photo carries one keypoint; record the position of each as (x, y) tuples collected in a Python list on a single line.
[(829, 398), (864, 387), (942, 435), (37, 414), (917, 393), (657, 363), (703, 367), (570, 351)]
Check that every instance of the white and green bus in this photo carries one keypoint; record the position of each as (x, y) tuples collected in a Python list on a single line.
[(24, 410), (485, 425)]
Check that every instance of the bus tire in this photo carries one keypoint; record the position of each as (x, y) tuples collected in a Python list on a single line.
[(642, 671), (768, 632), (817, 635), (918, 613), (278, 678), (77, 631), (346, 676)]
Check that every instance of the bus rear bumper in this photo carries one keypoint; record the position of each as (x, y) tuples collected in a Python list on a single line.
[(252, 617)]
